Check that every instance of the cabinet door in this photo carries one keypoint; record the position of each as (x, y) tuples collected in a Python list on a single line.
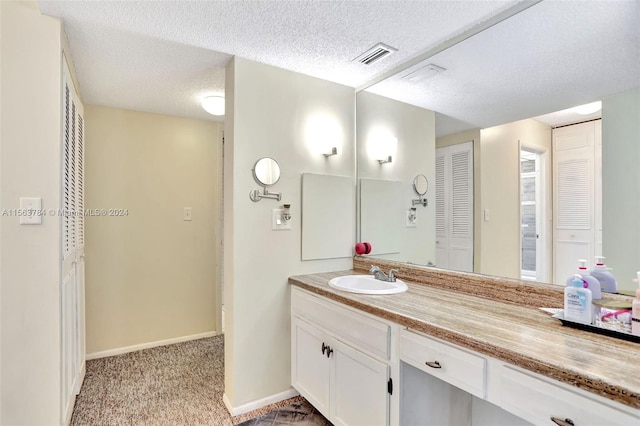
[(359, 382), (310, 366)]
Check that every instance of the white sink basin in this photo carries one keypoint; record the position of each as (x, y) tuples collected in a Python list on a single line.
[(366, 284)]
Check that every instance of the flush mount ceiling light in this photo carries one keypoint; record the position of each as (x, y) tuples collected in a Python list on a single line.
[(214, 105), (423, 73), (587, 109)]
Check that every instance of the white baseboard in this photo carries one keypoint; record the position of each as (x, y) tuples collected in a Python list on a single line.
[(141, 346), (254, 405)]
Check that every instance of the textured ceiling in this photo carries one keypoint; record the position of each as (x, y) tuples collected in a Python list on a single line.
[(163, 56), (554, 55)]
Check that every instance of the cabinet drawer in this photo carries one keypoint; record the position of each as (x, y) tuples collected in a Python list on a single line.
[(358, 329), (537, 400), (455, 366)]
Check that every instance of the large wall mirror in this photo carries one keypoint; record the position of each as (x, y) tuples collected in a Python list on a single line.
[(487, 120)]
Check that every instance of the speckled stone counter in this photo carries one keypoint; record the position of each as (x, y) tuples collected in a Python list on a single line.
[(515, 333)]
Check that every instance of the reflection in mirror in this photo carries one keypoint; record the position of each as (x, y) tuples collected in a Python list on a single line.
[(266, 171), (420, 184), (328, 203), (493, 91), (381, 215)]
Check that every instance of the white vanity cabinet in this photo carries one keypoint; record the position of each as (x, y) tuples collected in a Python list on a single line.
[(340, 361), (542, 401), (343, 361), (456, 366), (518, 396)]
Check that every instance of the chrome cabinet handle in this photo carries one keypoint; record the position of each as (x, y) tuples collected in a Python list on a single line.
[(560, 422), (433, 364)]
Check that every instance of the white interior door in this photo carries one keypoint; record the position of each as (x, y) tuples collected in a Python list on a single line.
[(72, 231), (533, 220), (454, 207), (574, 197)]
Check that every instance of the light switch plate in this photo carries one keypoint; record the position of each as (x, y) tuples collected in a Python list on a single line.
[(277, 221), (33, 206), (486, 215), (187, 214)]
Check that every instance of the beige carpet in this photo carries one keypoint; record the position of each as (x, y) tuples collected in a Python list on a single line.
[(180, 384)]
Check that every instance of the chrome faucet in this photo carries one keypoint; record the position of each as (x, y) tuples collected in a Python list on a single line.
[(379, 275)]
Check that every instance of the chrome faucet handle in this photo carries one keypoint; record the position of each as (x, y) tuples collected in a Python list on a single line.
[(392, 276), (374, 269)]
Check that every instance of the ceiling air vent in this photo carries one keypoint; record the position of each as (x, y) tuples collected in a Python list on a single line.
[(376, 53)]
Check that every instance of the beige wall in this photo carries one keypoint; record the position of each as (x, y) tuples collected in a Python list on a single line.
[(150, 275), (500, 193), (415, 129), (267, 112), (30, 276), (455, 139), (621, 185)]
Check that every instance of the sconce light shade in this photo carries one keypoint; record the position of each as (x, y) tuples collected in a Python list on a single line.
[(214, 105), (383, 147)]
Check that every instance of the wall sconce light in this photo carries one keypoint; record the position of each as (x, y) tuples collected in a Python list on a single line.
[(382, 147), (334, 151), (323, 134)]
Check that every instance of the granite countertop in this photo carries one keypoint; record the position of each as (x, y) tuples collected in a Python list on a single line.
[(520, 335)]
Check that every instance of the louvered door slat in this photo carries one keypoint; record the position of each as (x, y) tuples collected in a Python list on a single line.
[(574, 195), (66, 178), (80, 184), (72, 178), (461, 200), (441, 223)]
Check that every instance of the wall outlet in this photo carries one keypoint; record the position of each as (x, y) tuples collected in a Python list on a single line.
[(278, 223)]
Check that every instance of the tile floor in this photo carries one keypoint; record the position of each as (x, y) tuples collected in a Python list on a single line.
[(298, 414)]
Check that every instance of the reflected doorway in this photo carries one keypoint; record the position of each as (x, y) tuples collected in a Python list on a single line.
[(532, 247)]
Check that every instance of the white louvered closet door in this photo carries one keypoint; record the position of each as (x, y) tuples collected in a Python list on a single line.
[(576, 206), (454, 207), (72, 232)]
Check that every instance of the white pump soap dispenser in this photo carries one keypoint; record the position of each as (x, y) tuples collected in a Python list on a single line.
[(577, 302), (588, 281), (606, 279)]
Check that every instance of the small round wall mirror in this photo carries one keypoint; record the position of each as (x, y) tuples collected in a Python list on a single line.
[(421, 184), (266, 171)]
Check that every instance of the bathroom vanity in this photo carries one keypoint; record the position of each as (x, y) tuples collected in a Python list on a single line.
[(439, 354)]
